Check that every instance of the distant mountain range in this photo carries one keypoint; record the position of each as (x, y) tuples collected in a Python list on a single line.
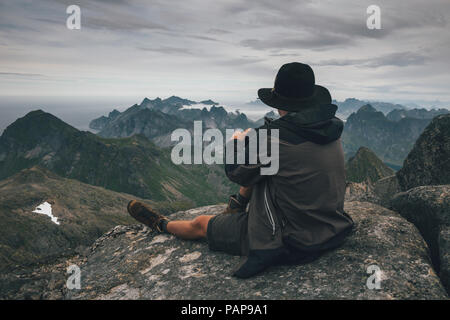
[(256, 102), (390, 130), (351, 105), (156, 119), (389, 138), (132, 165), (397, 114)]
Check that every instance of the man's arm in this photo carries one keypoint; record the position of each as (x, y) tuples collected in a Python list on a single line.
[(244, 174)]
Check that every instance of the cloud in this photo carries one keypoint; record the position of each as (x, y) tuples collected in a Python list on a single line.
[(124, 23), (20, 74), (311, 42), (199, 37), (167, 50), (398, 59), (218, 31), (225, 46), (239, 61)]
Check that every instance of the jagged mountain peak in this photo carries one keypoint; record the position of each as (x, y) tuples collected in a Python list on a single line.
[(209, 102), (33, 125), (178, 101), (366, 166), (428, 162), (416, 113), (367, 108), (367, 112), (37, 115), (168, 114), (114, 113)]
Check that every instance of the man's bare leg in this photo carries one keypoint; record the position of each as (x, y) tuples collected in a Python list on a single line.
[(189, 229), (196, 229)]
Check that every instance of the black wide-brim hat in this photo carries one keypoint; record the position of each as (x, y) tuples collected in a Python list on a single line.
[(295, 89)]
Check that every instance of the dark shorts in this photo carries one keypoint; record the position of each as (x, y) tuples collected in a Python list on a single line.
[(228, 232)]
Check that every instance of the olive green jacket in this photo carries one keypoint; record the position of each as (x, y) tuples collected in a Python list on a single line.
[(297, 213)]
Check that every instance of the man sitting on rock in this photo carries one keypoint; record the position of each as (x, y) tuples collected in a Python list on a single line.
[(294, 215)]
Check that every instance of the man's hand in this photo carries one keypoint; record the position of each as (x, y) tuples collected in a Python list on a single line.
[(238, 135)]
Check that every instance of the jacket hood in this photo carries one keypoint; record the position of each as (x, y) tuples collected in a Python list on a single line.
[(318, 125)]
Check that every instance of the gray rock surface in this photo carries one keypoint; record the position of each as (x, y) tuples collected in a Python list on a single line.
[(130, 262), (380, 192), (428, 207), (385, 189)]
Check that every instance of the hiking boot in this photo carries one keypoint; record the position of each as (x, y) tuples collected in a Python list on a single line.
[(234, 206), (145, 214)]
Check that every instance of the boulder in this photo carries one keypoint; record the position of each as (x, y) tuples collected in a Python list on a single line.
[(428, 162), (360, 191), (428, 207), (385, 189), (132, 262), (380, 192)]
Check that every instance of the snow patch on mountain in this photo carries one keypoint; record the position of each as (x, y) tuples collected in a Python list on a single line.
[(46, 208)]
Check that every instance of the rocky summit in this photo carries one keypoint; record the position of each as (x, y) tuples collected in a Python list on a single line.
[(131, 262), (428, 207)]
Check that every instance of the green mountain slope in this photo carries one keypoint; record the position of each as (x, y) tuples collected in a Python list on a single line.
[(84, 213), (132, 165), (365, 166)]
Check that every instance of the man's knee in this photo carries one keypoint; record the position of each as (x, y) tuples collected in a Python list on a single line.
[(200, 224)]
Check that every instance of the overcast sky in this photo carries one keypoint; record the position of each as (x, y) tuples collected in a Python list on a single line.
[(224, 50)]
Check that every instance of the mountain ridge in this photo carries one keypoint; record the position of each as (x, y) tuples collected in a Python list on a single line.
[(365, 166), (132, 165), (157, 118), (390, 140)]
